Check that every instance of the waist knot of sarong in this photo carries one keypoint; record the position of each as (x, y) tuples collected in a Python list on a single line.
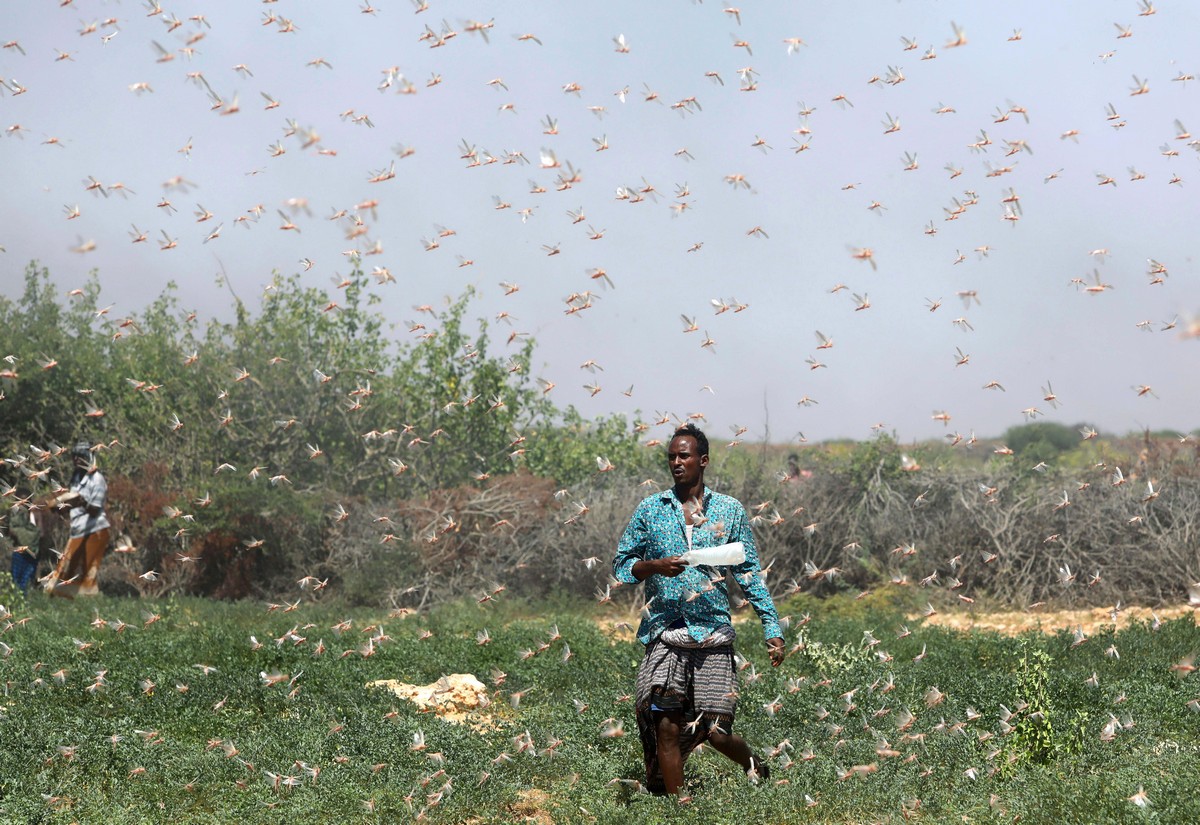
[(680, 637)]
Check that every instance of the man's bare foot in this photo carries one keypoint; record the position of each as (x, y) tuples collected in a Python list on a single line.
[(758, 770)]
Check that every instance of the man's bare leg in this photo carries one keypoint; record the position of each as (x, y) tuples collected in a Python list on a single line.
[(670, 759), (735, 747)]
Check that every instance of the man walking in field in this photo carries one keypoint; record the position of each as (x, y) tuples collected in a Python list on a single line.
[(686, 684)]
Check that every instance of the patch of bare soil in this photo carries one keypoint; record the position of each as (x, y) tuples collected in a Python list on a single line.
[(1009, 622), (1050, 621), (532, 807), (618, 630)]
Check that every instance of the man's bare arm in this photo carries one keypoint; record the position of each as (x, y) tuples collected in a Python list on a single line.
[(670, 567)]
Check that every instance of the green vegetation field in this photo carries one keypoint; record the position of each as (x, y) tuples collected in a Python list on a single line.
[(125, 710)]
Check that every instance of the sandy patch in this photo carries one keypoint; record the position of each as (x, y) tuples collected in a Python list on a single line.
[(532, 807), (1051, 621), (1009, 622)]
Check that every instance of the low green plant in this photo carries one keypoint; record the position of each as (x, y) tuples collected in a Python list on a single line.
[(1033, 738)]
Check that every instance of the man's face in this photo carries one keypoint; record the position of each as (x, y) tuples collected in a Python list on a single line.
[(684, 460)]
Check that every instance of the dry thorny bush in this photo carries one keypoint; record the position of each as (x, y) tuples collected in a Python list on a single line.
[(1008, 538), (998, 533)]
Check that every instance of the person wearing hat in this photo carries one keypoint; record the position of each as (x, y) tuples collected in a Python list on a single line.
[(85, 497)]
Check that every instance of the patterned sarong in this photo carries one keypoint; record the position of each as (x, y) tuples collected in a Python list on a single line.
[(696, 682)]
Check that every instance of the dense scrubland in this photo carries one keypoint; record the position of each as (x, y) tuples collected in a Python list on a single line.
[(321, 505)]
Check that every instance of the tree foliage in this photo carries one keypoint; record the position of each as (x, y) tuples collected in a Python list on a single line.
[(273, 422), (1041, 440)]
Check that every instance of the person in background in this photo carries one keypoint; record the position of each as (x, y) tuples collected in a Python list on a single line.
[(794, 474), (25, 535), (85, 497), (686, 684)]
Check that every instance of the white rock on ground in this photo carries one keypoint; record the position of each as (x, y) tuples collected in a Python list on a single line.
[(451, 697)]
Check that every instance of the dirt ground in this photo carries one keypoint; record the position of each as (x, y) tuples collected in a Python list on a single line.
[(1051, 621), (531, 807), (1009, 622)]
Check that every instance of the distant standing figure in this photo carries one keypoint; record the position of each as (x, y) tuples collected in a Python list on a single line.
[(86, 496), (25, 535), (686, 684), (794, 474)]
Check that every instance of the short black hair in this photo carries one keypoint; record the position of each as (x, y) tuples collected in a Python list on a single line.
[(696, 433)]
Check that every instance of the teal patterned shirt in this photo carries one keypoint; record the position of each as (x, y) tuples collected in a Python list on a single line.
[(698, 596)]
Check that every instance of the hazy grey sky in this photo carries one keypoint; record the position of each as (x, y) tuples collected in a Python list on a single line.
[(688, 136)]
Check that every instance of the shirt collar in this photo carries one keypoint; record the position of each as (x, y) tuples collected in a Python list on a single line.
[(669, 495)]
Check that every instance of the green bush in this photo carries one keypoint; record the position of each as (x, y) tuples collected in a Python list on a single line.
[(1046, 439)]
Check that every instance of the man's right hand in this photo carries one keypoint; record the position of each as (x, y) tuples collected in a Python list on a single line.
[(671, 566)]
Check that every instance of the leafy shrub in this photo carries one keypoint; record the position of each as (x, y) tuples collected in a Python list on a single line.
[(1041, 440)]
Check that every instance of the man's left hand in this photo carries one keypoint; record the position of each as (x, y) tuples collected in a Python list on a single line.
[(776, 651)]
